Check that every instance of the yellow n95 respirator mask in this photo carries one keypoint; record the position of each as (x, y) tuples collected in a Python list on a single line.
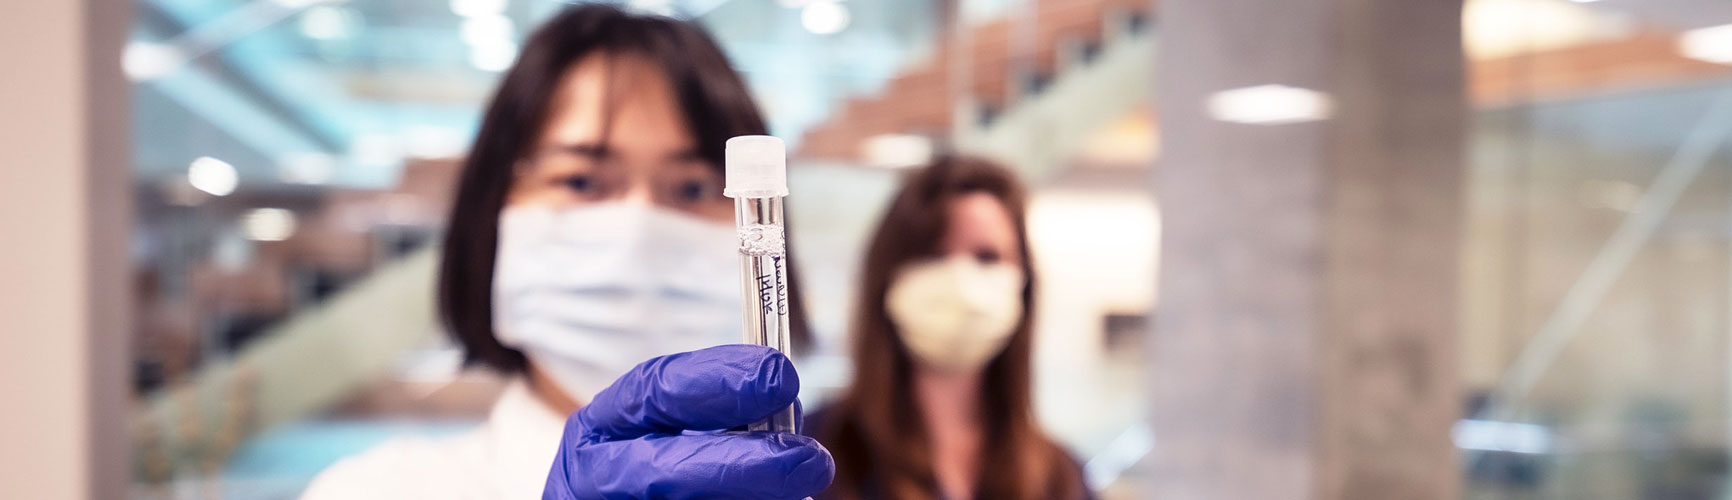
[(955, 314)]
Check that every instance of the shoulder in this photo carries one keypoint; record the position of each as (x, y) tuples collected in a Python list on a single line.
[(1066, 459), (413, 467), (1070, 476), (839, 431)]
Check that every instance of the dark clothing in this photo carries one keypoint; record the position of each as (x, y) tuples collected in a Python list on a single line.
[(817, 425)]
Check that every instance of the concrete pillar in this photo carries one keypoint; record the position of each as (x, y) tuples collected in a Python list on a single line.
[(1304, 339), (63, 273)]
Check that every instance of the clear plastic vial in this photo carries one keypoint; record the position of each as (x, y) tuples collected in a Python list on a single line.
[(757, 180)]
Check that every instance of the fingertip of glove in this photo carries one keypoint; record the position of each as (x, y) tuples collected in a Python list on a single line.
[(781, 381), (809, 465), (778, 383)]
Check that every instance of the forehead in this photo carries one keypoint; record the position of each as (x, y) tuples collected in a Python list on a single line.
[(977, 217), (624, 99)]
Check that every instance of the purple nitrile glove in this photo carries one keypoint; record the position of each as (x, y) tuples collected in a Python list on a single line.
[(631, 441)]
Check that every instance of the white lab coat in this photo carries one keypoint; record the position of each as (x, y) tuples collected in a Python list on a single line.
[(506, 457)]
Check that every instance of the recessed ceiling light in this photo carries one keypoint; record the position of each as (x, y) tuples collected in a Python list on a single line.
[(268, 224), (150, 60), (1712, 44), (824, 17), (212, 176), (1270, 105), (897, 150)]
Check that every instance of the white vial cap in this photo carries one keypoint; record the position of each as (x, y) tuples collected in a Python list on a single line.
[(757, 167)]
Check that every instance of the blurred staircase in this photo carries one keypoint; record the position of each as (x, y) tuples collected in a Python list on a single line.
[(337, 306), (1027, 89)]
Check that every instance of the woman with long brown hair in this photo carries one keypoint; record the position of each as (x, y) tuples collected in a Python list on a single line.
[(940, 407)]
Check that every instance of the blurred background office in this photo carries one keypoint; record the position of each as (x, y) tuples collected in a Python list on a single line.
[(1479, 249)]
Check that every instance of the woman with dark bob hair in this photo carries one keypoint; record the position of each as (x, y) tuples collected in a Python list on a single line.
[(589, 235)]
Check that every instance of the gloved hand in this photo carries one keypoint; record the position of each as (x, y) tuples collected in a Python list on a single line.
[(635, 440)]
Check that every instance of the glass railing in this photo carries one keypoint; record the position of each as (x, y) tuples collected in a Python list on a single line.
[(1598, 293)]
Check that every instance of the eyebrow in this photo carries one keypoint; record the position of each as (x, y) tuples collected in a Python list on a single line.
[(588, 149), (599, 151)]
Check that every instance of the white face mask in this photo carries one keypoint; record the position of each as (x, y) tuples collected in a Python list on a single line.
[(955, 314), (587, 293)]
